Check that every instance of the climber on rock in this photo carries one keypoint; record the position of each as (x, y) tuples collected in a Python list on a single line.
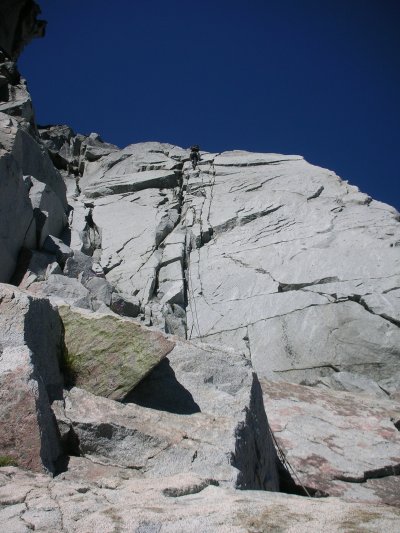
[(195, 155)]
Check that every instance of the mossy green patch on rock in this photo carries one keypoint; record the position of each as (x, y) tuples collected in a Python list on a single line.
[(108, 355), (6, 460)]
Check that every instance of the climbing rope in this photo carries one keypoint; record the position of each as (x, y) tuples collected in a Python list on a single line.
[(193, 309), (196, 325), (189, 282), (285, 462)]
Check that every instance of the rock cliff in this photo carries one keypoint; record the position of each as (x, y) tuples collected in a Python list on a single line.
[(152, 315)]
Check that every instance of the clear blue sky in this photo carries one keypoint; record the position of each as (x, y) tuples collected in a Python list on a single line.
[(320, 78)]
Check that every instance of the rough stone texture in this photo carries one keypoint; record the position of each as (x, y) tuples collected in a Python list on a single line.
[(131, 215), (100, 292), (17, 227), (69, 151), (30, 335), (32, 158), (338, 442), (257, 237), (176, 504), (34, 266), (79, 266), (15, 99), (279, 259), (108, 355), (200, 410), (125, 305)]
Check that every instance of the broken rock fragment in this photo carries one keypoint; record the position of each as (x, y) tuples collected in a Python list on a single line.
[(109, 355)]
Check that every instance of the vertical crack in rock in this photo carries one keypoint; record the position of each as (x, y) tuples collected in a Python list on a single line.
[(199, 232), (91, 234)]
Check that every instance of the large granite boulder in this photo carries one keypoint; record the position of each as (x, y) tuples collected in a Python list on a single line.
[(30, 379), (340, 443), (108, 355), (200, 411), (61, 290)]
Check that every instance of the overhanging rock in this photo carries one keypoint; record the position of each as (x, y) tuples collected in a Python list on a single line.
[(199, 411), (108, 355)]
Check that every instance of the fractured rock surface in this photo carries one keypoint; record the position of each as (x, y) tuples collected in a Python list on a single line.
[(270, 262), (30, 207), (294, 257), (262, 252), (199, 411)]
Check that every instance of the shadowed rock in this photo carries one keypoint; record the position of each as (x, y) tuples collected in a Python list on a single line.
[(30, 335), (212, 422)]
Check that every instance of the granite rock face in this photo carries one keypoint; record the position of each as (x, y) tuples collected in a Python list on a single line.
[(305, 252), (175, 504), (279, 259), (263, 252), (258, 262)]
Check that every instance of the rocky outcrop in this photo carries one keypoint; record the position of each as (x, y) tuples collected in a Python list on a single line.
[(199, 411), (30, 379), (70, 151), (32, 194), (258, 251), (18, 26), (108, 355), (266, 262)]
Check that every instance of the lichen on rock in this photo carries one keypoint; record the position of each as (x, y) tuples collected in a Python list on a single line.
[(108, 355)]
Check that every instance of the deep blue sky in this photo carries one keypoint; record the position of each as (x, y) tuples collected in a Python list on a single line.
[(320, 78)]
